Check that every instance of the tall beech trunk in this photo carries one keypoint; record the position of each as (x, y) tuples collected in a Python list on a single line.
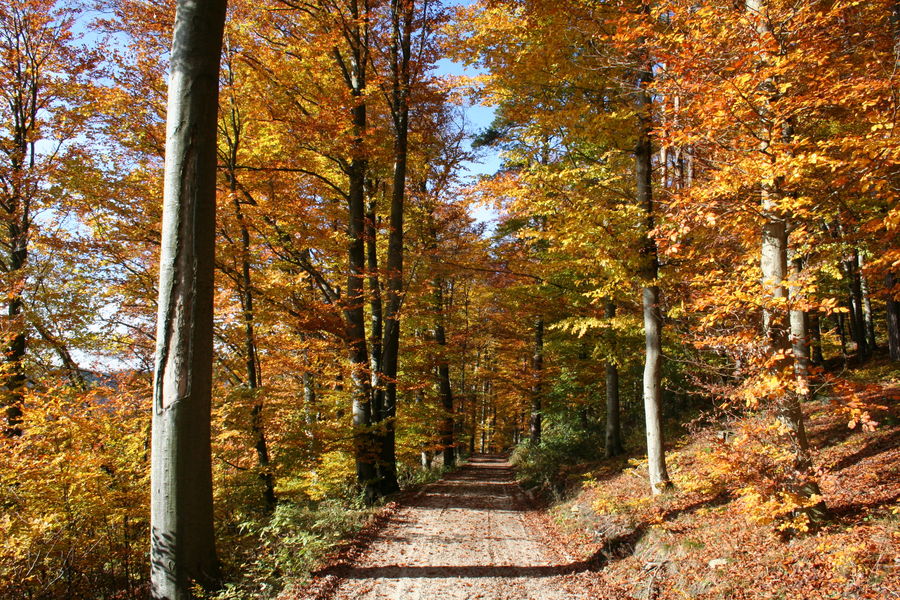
[(614, 445), (14, 380), (857, 321), (777, 322), (182, 545), (376, 308), (815, 334), (892, 316), (842, 335), (868, 316), (401, 47), (376, 335), (799, 325), (364, 442), (444, 387), (310, 408), (650, 298), (474, 426), (17, 196), (892, 306), (353, 67), (252, 383), (257, 428), (484, 412), (537, 374), (776, 325)]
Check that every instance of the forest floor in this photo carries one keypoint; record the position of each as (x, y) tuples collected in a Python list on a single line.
[(469, 536)]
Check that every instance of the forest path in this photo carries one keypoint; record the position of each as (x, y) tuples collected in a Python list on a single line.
[(464, 537)]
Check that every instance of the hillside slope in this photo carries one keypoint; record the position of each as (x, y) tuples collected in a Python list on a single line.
[(709, 539)]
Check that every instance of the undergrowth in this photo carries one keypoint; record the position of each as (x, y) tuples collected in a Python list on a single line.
[(287, 546), (562, 445)]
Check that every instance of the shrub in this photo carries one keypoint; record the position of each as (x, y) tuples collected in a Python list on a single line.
[(563, 444), (290, 544)]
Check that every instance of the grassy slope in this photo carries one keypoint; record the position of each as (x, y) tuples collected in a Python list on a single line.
[(700, 543)]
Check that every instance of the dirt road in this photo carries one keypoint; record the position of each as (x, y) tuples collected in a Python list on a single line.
[(462, 538)]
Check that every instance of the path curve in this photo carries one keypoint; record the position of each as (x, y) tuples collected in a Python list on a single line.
[(465, 537)]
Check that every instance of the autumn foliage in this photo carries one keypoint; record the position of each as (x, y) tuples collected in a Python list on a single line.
[(369, 329)]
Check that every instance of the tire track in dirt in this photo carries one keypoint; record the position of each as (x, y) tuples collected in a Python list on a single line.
[(462, 538)]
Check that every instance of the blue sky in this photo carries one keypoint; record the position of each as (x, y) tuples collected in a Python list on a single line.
[(478, 118)]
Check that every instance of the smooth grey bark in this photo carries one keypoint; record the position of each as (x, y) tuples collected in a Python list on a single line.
[(426, 459), (773, 263), (401, 48), (354, 67), (774, 266), (252, 367), (892, 316), (474, 428), (857, 321), (232, 132), (483, 416), (815, 334), (799, 325), (445, 389), (613, 440), (537, 374), (650, 297), (376, 330), (309, 397), (842, 335), (376, 305), (868, 316), (365, 451), (478, 389), (892, 306), (182, 545), (426, 455)]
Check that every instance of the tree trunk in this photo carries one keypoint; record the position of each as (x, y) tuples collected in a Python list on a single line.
[(257, 428), (774, 266), (21, 118), (402, 21), (857, 322), (182, 545), (614, 445), (842, 335), (14, 381), (643, 153), (309, 397), (446, 392), (365, 443), (386, 469), (799, 324), (866, 306), (537, 374), (892, 306), (816, 339), (251, 364), (376, 310), (892, 315), (474, 430)]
